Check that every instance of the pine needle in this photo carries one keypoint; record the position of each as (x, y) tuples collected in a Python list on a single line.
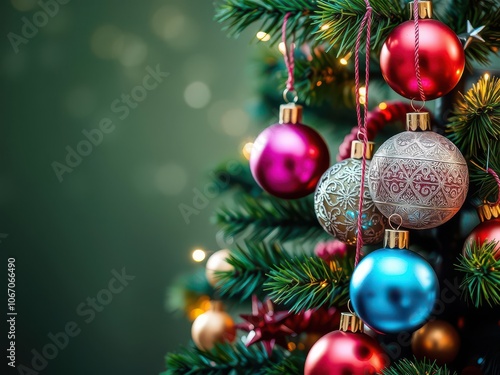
[(267, 217), (476, 118), (251, 265), (415, 367), (481, 271), (308, 282), (225, 359)]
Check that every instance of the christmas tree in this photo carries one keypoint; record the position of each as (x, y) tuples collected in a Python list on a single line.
[(388, 259)]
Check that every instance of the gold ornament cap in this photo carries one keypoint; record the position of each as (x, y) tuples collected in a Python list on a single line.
[(418, 121), (488, 211), (216, 306), (351, 323), (396, 239), (290, 113), (357, 150), (424, 9)]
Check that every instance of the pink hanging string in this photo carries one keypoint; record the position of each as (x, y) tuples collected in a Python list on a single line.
[(417, 53), (497, 179), (288, 55), (362, 120)]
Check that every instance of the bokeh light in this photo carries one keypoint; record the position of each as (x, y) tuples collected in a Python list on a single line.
[(247, 150), (170, 179), (24, 5), (198, 255), (197, 95), (235, 122), (263, 36)]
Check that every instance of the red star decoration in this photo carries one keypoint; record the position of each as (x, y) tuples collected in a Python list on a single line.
[(266, 325)]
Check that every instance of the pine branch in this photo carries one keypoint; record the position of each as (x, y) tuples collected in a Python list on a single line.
[(479, 13), (407, 367), (240, 14), (251, 266), (267, 217), (339, 22), (292, 365), (487, 185), (305, 283), (224, 359), (476, 118), (235, 175), (323, 77), (481, 273)]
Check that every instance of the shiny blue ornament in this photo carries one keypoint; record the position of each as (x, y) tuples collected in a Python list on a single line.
[(393, 290)]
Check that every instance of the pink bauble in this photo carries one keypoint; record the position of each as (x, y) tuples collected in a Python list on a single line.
[(287, 160), (339, 353), (419, 176), (442, 59)]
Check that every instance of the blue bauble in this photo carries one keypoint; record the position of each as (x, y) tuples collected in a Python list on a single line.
[(393, 290)]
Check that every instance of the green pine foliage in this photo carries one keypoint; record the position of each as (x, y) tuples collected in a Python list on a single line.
[(339, 22), (487, 187), (240, 14), (271, 218), (481, 282), (251, 265), (476, 118), (415, 367), (291, 365), (303, 282), (225, 359), (480, 13)]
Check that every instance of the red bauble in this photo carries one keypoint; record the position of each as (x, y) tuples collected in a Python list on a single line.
[(339, 353), (442, 59), (486, 231)]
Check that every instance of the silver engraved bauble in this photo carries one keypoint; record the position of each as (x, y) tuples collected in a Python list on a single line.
[(420, 176), (336, 203)]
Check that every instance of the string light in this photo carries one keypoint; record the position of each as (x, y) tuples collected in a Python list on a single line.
[(486, 76), (198, 255), (247, 150), (281, 47), (382, 106), (263, 36), (325, 27), (344, 59), (362, 95)]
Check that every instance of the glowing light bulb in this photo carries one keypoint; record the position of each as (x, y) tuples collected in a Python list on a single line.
[(382, 105), (486, 76), (247, 149), (198, 255), (263, 36)]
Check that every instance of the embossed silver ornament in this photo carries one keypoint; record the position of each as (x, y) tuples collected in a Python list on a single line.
[(419, 175), (336, 201)]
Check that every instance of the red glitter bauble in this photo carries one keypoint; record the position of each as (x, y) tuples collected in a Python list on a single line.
[(442, 59)]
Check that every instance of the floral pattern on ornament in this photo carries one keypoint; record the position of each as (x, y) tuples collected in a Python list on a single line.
[(420, 176), (336, 204)]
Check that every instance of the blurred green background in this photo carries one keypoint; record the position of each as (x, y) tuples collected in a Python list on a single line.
[(118, 207)]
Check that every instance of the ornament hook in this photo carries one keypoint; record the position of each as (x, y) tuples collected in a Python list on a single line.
[(349, 307), (415, 109), (400, 221), (293, 93)]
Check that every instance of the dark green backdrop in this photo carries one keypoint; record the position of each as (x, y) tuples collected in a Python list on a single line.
[(119, 206)]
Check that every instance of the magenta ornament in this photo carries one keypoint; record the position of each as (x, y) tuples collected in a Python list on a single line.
[(288, 159)]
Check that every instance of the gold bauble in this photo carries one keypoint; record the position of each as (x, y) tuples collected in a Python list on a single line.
[(436, 340), (213, 326), (217, 262)]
